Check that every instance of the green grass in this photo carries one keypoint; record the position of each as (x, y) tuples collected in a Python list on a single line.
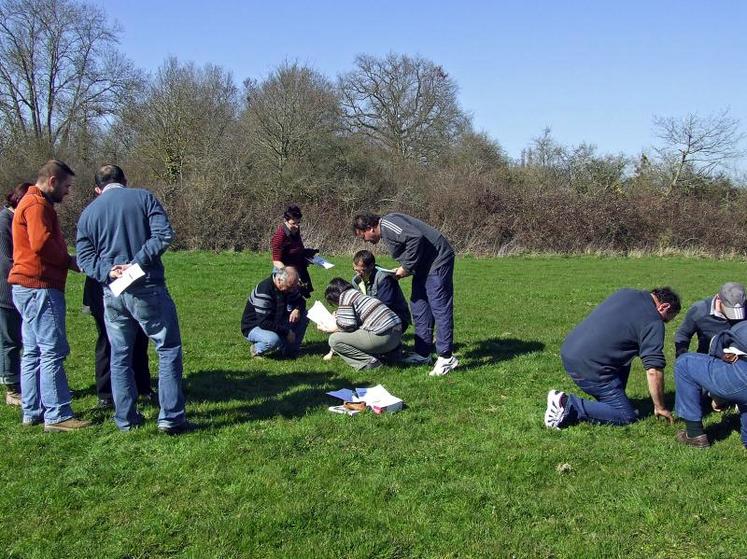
[(467, 470)]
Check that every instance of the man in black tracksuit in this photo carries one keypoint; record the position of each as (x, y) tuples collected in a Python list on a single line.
[(425, 254)]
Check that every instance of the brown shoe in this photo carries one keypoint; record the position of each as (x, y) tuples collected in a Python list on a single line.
[(13, 395), (701, 441), (71, 424)]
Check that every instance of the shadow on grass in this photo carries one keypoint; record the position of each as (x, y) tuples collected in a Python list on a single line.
[(492, 350), (259, 395)]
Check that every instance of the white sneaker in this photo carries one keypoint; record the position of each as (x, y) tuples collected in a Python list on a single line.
[(555, 412), (444, 365), (330, 355), (417, 359)]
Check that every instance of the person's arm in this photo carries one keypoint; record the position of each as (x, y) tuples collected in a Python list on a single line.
[(41, 239), (655, 378), (685, 332), (276, 248), (345, 316), (161, 233)]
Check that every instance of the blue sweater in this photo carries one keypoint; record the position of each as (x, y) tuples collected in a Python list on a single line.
[(123, 226), (624, 325)]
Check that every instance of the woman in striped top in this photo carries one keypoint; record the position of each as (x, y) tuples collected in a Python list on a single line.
[(366, 327)]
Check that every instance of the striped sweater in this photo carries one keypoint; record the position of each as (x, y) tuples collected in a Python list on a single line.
[(269, 308), (357, 310)]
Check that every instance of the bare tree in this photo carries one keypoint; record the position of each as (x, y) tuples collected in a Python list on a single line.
[(59, 70), (290, 114), (179, 125), (700, 145), (407, 105)]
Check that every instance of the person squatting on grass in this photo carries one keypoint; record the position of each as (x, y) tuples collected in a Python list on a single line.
[(38, 276), (120, 228), (425, 254), (723, 373), (597, 355), (10, 320), (365, 327), (275, 315)]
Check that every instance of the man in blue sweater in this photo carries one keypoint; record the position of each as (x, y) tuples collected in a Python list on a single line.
[(427, 256), (123, 227), (597, 355)]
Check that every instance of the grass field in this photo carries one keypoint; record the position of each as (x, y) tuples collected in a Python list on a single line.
[(467, 470)]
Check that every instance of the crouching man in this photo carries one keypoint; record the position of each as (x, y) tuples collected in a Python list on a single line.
[(597, 355), (365, 328), (723, 373), (275, 315)]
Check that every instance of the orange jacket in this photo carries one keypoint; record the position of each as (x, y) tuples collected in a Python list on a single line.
[(40, 258)]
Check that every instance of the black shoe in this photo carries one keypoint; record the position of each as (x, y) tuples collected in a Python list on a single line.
[(180, 429), (105, 404)]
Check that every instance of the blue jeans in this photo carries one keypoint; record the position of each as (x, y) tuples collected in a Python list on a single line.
[(152, 310), (432, 304), (267, 340), (696, 371), (44, 390), (10, 346), (612, 406)]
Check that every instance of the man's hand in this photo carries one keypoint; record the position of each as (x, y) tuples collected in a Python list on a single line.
[(730, 357), (291, 337), (117, 270), (400, 273), (295, 316), (665, 413)]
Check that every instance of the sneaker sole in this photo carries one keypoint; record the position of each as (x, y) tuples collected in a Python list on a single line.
[(548, 422)]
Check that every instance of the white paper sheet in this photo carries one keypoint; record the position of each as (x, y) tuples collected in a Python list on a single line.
[(319, 314), (130, 274), (734, 351), (319, 261)]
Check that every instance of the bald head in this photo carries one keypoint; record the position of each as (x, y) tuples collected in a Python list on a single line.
[(285, 279)]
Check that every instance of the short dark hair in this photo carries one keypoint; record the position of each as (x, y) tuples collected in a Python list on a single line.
[(292, 212), (108, 174), (365, 257), (363, 222), (54, 168), (336, 288), (668, 295), (18, 192)]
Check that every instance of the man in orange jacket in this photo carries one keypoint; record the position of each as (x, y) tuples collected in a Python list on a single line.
[(38, 275)]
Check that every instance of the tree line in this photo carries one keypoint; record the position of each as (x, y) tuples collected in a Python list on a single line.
[(388, 134)]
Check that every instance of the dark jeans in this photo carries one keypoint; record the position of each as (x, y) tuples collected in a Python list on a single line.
[(10, 346), (432, 304), (93, 297), (612, 406)]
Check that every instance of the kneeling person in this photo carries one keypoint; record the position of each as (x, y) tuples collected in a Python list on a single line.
[(366, 327), (275, 315), (597, 355)]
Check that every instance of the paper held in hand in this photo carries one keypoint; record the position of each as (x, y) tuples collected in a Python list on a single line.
[(319, 314), (130, 275), (319, 261)]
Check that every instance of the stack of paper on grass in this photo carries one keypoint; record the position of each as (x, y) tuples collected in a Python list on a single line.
[(377, 398)]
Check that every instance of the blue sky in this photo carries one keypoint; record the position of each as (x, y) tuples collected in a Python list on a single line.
[(593, 72)]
